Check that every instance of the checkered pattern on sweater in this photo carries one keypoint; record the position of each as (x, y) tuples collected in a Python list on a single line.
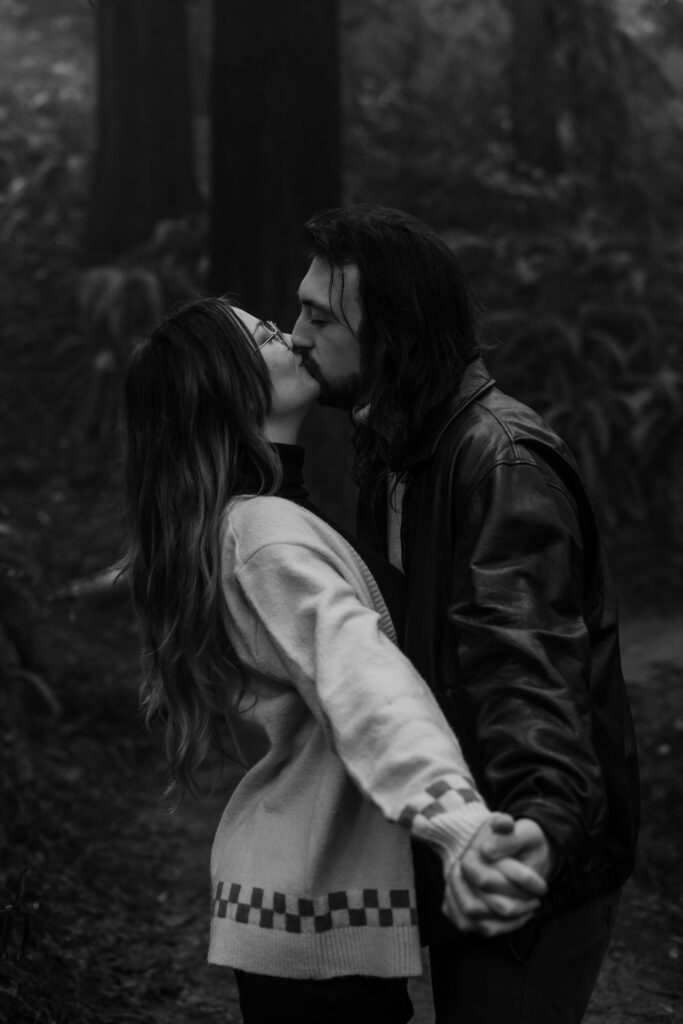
[(359, 908), (438, 799)]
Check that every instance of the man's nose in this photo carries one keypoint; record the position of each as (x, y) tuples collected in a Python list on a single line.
[(300, 341)]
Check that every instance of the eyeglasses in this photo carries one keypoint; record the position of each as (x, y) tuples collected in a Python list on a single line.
[(274, 334)]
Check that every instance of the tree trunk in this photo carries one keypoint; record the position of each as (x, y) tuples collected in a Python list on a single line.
[(597, 96), (276, 143), (143, 167), (533, 74), (276, 160)]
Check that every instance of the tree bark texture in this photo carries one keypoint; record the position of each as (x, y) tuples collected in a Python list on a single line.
[(276, 143), (143, 166), (568, 97), (597, 96), (534, 85), (276, 160)]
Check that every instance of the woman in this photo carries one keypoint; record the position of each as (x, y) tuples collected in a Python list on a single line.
[(257, 613)]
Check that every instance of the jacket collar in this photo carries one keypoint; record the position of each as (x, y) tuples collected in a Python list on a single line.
[(475, 381)]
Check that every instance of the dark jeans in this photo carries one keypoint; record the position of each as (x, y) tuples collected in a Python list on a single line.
[(542, 974), (350, 1000)]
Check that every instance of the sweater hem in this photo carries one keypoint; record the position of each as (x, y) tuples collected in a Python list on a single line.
[(371, 951)]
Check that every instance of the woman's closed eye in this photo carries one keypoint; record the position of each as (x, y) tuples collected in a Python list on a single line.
[(272, 333)]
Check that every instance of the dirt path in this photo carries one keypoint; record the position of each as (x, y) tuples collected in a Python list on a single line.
[(641, 979), (190, 991), (648, 642)]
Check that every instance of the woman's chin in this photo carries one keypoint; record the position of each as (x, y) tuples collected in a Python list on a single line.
[(313, 383), (311, 401)]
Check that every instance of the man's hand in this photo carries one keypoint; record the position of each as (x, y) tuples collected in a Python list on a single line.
[(526, 842), (495, 887)]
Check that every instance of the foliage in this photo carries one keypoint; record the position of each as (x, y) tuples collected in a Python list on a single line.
[(660, 739), (423, 99), (28, 659), (19, 922), (429, 122), (117, 305), (45, 109), (592, 340)]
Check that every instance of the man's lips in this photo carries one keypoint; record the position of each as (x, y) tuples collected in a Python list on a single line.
[(310, 368)]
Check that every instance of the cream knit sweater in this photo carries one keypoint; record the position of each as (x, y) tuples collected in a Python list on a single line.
[(348, 755)]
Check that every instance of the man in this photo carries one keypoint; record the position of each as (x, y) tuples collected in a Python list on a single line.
[(511, 615)]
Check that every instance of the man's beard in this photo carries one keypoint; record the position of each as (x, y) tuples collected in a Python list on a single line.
[(338, 394)]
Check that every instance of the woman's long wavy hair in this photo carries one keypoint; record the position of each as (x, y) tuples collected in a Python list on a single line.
[(196, 395), (418, 330)]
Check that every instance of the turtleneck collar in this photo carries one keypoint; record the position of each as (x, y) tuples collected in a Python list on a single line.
[(292, 486)]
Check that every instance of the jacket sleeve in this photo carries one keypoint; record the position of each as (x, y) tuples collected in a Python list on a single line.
[(289, 606), (523, 652)]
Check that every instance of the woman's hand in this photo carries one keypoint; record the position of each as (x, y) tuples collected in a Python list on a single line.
[(496, 886)]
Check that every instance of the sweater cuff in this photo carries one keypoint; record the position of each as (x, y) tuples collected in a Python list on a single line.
[(447, 815), (452, 832)]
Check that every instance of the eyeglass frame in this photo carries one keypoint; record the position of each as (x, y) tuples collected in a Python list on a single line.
[(274, 332)]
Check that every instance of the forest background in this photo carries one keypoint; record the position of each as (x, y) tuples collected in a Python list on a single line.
[(150, 151)]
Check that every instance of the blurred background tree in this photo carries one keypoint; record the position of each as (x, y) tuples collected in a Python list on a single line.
[(275, 128), (535, 111), (143, 162), (276, 143)]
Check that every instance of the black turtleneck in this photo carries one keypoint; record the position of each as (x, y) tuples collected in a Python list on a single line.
[(390, 581), (292, 487)]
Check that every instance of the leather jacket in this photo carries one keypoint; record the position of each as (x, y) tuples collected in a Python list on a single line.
[(511, 619)]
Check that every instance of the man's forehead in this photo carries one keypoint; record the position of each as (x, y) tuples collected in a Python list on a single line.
[(323, 283)]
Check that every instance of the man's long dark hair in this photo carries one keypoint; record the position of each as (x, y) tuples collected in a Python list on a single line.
[(418, 329), (196, 395)]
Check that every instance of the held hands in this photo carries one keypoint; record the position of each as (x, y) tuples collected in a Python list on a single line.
[(496, 886)]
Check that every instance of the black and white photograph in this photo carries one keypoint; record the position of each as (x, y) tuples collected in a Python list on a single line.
[(341, 517)]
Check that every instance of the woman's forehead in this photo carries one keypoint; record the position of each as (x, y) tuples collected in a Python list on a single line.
[(250, 321)]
